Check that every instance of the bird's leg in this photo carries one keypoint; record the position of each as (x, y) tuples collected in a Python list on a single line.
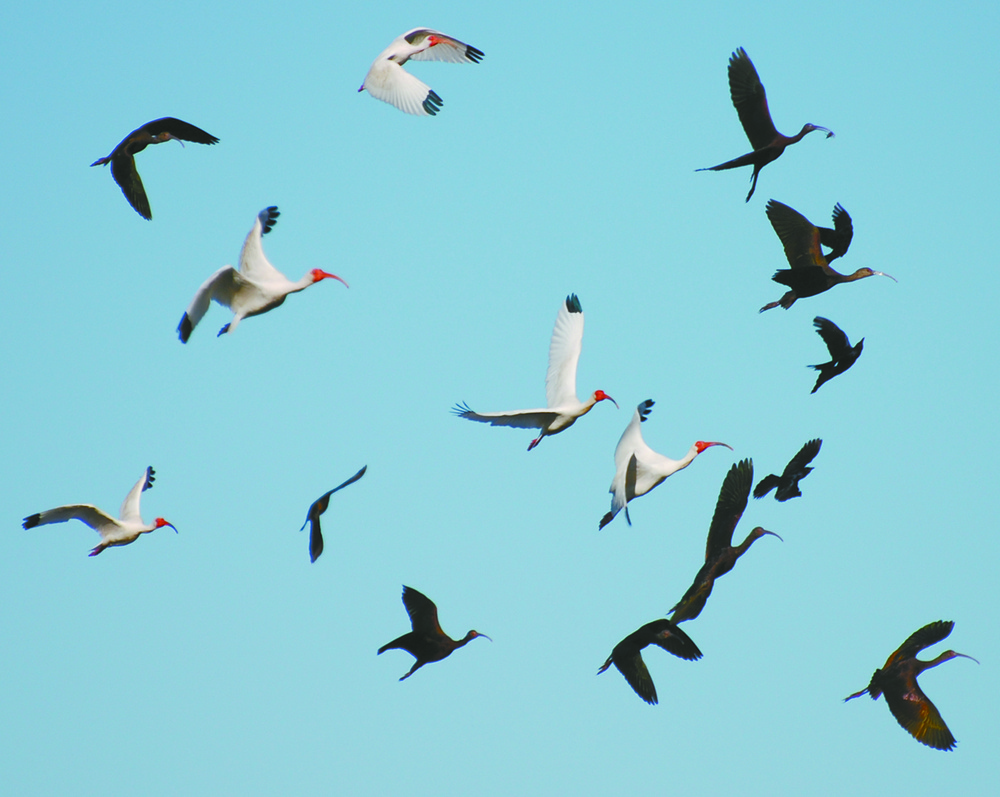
[(416, 666), (222, 332), (769, 306), (626, 515), (98, 549), (536, 441)]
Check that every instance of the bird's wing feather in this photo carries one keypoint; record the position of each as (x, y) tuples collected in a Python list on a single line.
[(673, 640), (917, 714), (178, 129), (221, 287), (690, 606), (130, 506), (127, 176), (389, 82), (253, 264), (423, 613), (833, 336), (447, 49), (564, 354), (351, 480), (930, 634), (729, 508), (798, 235), (522, 419), (637, 674), (750, 101), (86, 513), (803, 458), (840, 237), (765, 485)]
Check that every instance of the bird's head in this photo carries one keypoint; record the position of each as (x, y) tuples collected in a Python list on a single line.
[(759, 532), (701, 445), (808, 128), (600, 395), (161, 522), (473, 634), (951, 654), (318, 274)]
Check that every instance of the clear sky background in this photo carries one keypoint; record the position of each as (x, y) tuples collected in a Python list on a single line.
[(220, 661)]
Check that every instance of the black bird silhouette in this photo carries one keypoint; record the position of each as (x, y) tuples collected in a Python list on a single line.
[(842, 354), (426, 642), (810, 271), (750, 102), (627, 654), (788, 482), (720, 555), (123, 161), (897, 680), (318, 508)]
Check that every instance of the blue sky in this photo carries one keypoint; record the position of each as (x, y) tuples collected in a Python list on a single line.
[(219, 660)]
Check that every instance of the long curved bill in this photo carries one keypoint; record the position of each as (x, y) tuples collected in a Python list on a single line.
[(883, 274)]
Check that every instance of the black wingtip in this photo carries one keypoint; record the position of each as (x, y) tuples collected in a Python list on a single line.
[(474, 54), (644, 409), (461, 409), (185, 328), (32, 520), (432, 103), (268, 218), (573, 303), (604, 522)]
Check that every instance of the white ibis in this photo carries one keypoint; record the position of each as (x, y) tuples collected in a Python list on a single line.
[(389, 82), (122, 531), (560, 383), (256, 288), (122, 158), (787, 483), (638, 469), (318, 507)]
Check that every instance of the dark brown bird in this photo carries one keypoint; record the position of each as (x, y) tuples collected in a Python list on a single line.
[(627, 654), (318, 508), (839, 238), (750, 102), (842, 354), (810, 272), (427, 642), (897, 680), (720, 555), (788, 482), (122, 158)]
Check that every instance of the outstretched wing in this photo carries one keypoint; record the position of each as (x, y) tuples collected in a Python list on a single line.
[(177, 128), (839, 238), (729, 508), (127, 176), (253, 264), (798, 235), (423, 613), (444, 47), (564, 354), (915, 712), (130, 506), (750, 101), (86, 513), (668, 636), (389, 82), (806, 454), (930, 634), (833, 336), (221, 286), (522, 419)]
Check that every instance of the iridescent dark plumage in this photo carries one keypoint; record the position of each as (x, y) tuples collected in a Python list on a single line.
[(810, 272), (787, 483), (720, 555), (897, 680), (426, 642), (627, 654), (842, 354), (319, 506), (123, 161), (750, 102)]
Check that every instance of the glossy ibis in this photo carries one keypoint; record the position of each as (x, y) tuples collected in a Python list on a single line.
[(638, 469), (720, 555), (627, 654), (122, 157), (842, 354), (810, 272), (256, 288), (560, 383), (897, 680), (426, 642), (122, 531), (318, 508), (750, 102), (788, 482), (389, 82)]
